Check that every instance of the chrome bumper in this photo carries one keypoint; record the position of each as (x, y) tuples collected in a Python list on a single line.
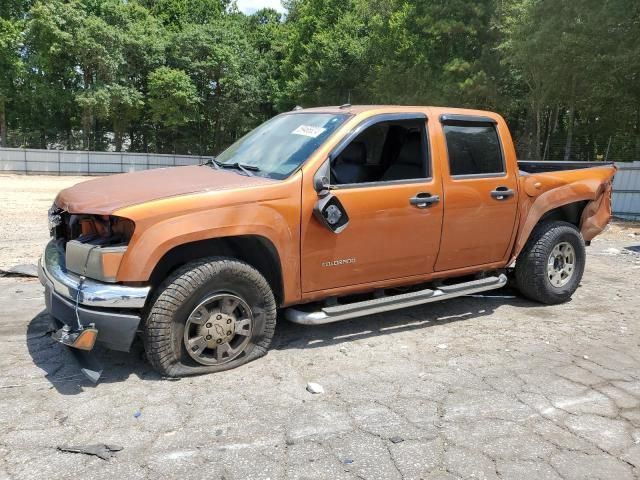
[(87, 292)]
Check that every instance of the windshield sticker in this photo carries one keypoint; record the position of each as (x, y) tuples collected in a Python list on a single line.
[(309, 131)]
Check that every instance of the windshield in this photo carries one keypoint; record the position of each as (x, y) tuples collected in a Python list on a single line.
[(278, 147)]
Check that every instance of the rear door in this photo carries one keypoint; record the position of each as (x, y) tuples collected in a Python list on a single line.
[(480, 193)]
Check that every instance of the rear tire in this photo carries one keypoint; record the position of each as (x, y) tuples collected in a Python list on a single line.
[(550, 266), (209, 316)]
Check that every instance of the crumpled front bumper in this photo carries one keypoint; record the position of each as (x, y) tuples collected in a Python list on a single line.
[(78, 303)]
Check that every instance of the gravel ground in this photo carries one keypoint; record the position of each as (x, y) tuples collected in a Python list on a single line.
[(478, 387), (26, 200)]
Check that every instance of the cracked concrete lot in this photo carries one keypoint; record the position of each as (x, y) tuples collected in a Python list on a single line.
[(479, 387)]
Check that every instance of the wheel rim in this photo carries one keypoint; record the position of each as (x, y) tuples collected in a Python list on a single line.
[(218, 329), (561, 264)]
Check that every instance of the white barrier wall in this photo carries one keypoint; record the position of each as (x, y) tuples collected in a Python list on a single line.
[(67, 162), (626, 191)]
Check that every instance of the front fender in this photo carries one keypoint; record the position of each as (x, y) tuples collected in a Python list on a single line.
[(149, 246)]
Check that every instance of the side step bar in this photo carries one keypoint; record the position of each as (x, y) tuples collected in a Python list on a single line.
[(393, 302)]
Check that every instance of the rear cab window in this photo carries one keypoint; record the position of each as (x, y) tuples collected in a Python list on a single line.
[(473, 146)]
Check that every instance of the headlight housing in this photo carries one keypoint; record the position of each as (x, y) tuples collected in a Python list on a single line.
[(94, 245), (94, 261)]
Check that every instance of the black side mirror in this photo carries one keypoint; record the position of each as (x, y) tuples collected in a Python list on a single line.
[(330, 213)]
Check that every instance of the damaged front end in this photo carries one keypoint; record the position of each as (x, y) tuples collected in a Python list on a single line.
[(78, 270)]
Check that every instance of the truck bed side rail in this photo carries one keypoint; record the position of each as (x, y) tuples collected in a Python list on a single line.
[(539, 166)]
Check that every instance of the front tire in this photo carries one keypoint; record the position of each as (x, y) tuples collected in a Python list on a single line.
[(209, 316), (550, 266)]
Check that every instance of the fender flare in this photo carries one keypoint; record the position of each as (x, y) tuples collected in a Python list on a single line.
[(591, 190)]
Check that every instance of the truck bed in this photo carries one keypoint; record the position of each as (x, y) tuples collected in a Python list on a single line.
[(535, 166)]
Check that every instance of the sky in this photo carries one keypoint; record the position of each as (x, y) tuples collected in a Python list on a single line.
[(250, 6)]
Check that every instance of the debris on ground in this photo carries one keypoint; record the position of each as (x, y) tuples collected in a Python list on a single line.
[(22, 270), (101, 450), (137, 414), (396, 439), (347, 461), (314, 388), (612, 251), (442, 346)]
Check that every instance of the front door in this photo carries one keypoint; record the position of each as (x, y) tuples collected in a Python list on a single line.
[(481, 195), (382, 178)]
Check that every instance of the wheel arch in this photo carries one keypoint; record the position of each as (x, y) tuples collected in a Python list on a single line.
[(255, 250), (541, 212), (569, 212)]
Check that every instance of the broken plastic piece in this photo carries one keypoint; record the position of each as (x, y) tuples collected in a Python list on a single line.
[(83, 339), (101, 450)]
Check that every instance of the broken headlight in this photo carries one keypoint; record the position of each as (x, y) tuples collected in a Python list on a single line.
[(96, 244), (55, 218)]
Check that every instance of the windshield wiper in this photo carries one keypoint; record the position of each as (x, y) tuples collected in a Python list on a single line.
[(247, 169), (213, 162)]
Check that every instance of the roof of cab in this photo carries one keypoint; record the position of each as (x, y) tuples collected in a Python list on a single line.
[(381, 109)]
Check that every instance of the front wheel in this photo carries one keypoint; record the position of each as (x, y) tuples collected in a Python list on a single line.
[(210, 316), (550, 267)]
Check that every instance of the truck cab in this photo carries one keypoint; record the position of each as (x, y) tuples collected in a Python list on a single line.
[(321, 214)]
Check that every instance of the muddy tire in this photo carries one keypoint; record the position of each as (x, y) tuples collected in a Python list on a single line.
[(209, 316), (550, 266)]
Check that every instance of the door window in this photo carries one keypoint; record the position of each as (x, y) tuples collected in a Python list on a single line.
[(474, 149), (384, 152)]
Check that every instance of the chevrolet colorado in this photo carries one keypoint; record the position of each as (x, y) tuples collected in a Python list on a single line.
[(323, 214)]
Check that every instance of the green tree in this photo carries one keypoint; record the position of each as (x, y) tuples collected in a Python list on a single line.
[(222, 65), (173, 99), (326, 61), (9, 66), (177, 13), (125, 106), (51, 83)]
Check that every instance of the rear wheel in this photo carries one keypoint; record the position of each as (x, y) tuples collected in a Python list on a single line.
[(210, 316), (550, 267)]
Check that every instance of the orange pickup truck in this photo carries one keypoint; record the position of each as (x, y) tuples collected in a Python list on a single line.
[(322, 214)]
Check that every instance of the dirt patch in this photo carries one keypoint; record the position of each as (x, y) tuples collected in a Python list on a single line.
[(25, 201)]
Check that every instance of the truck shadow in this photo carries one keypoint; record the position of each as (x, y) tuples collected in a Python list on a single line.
[(62, 370), (293, 336)]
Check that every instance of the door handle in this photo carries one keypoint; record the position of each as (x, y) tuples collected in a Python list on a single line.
[(502, 193), (424, 200)]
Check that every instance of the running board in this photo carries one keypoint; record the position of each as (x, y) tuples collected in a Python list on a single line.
[(393, 302)]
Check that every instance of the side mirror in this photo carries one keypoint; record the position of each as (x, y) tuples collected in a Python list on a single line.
[(330, 213)]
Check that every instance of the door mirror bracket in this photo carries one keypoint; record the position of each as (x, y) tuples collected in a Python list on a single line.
[(321, 182), (328, 210)]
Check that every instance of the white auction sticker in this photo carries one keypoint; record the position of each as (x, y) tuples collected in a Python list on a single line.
[(309, 131)]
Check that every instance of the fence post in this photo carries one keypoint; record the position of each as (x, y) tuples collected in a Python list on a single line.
[(88, 168), (121, 163), (26, 168), (58, 162)]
